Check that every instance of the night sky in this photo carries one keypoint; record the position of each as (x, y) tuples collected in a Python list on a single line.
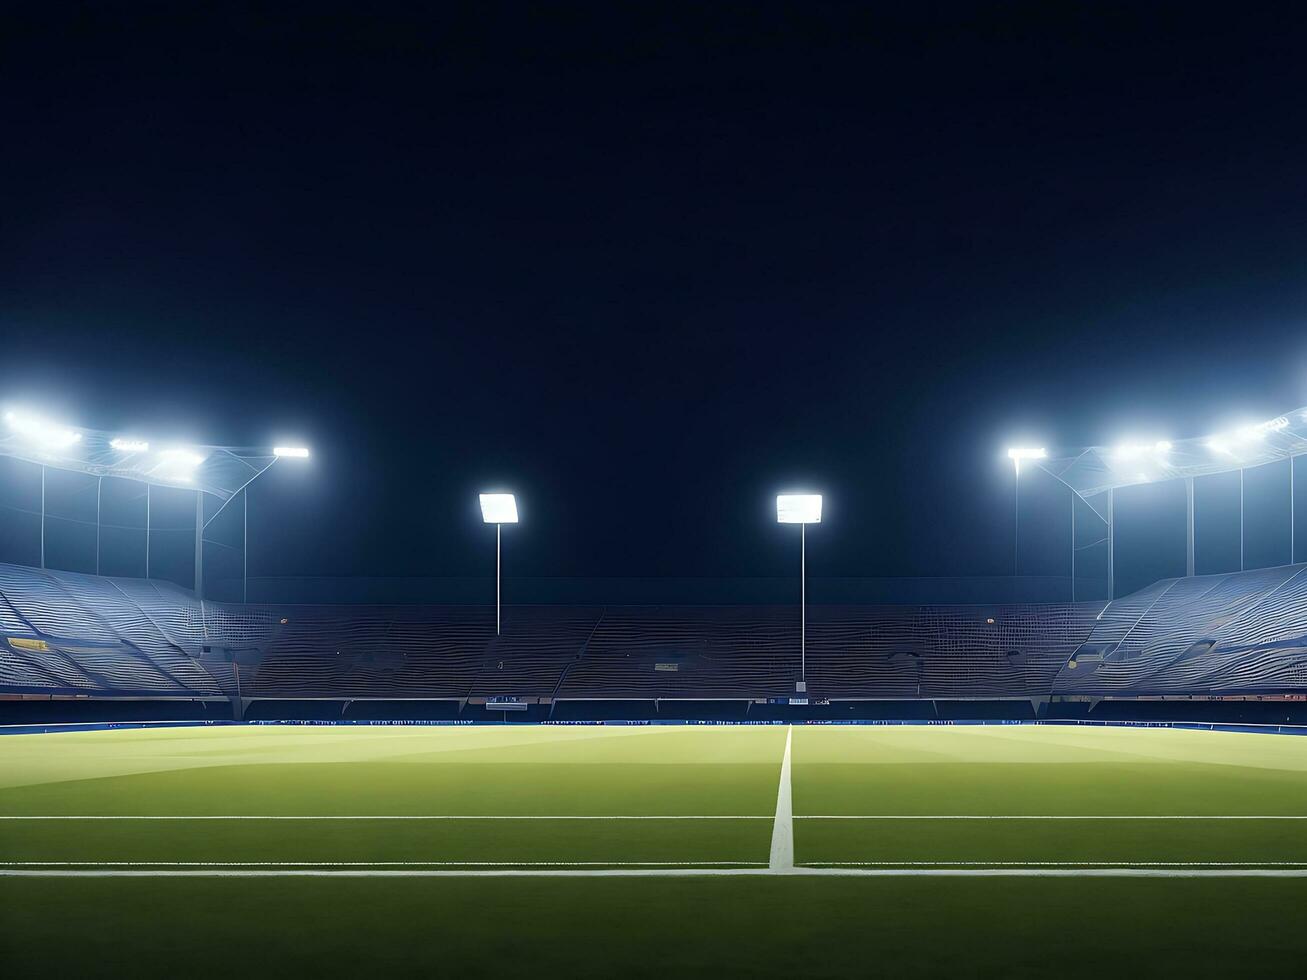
[(648, 266)]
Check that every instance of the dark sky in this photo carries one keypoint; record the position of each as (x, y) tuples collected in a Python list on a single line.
[(648, 266)]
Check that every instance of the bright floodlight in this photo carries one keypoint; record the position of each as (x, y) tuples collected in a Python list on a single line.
[(42, 432), (499, 508), (1027, 452), (129, 445), (297, 452), (798, 508), (180, 458)]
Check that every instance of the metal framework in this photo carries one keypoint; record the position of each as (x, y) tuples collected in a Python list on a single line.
[(221, 472), (1098, 471)]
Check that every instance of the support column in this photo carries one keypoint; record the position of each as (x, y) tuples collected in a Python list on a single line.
[(1111, 548), (199, 544), (1073, 546), (99, 481), (43, 517), (1241, 565), (803, 606), (1189, 526)]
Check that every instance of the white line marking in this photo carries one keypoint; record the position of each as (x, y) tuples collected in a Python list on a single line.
[(1059, 864), (782, 832), (379, 864), (1058, 816), (684, 872), (380, 816), (677, 816)]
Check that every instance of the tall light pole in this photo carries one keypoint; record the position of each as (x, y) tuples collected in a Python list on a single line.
[(1017, 454), (498, 509), (801, 509)]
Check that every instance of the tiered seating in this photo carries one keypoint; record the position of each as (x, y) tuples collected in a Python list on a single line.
[(687, 652), (89, 638), (373, 651), (943, 651), (1235, 633)]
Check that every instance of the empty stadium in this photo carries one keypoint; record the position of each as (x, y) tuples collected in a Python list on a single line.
[(609, 764), (652, 490)]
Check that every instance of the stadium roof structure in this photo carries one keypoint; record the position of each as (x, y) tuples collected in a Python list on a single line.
[(219, 470), (1097, 469)]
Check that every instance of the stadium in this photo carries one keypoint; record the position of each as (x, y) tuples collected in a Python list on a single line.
[(652, 490), (170, 737)]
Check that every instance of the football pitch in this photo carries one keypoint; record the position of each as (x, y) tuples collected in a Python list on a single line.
[(588, 851)]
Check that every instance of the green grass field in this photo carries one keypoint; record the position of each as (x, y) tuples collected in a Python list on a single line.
[(997, 851)]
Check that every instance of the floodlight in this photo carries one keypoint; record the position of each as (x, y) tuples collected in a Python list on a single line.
[(180, 457), (498, 508), (297, 452), (44, 433), (1218, 445), (1162, 446), (129, 445), (1027, 452), (1262, 429), (798, 508)]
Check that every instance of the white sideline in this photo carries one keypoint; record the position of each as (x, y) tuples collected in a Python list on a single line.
[(1055, 864), (782, 832), (1056, 816), (672, 816), (377, 816), (381, 864), (987, 872)]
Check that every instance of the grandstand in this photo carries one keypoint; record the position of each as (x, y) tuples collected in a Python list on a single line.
[(70, 634)]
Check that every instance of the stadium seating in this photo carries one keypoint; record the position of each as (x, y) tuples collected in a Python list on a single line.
[(69, 634)]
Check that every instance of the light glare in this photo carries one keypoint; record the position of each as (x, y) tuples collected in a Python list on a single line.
[(180, 457), (1027, 452), (499, 508), (798, 508), (1133, 450), (296, 452), (43, 433), (129, 445)]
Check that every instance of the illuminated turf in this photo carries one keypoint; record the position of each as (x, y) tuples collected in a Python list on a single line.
[(914, 792)]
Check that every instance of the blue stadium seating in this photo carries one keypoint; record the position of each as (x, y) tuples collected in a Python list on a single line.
[(68, 634)]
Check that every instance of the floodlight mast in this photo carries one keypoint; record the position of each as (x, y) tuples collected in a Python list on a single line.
[(498, 509), (1017, 454), (801, 509), (201, 525)]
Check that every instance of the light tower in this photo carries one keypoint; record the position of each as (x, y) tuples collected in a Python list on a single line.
[(801, 509), (498, 509), (1017, 454)]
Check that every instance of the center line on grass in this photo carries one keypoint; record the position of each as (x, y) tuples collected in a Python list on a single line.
[(782, 832)]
